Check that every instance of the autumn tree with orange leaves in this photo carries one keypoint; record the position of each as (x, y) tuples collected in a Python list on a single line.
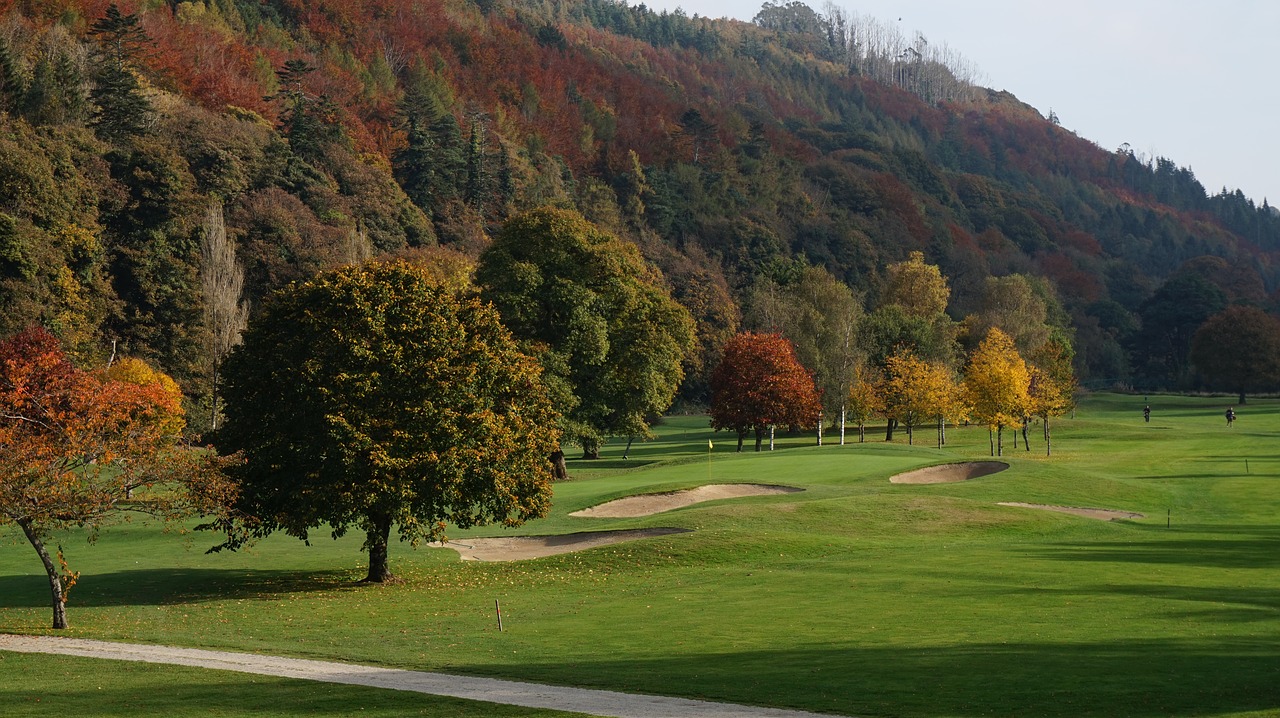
[(759, 384), (74, 445)]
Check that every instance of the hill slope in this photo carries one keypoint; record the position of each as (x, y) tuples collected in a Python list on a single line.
[(727, 151)]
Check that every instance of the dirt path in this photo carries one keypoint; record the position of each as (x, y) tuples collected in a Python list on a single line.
[(530, 695)]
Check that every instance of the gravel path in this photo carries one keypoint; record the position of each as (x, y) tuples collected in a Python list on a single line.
[(531, 695)]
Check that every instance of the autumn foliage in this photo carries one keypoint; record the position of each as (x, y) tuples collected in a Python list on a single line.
[(74, 445), (997, 381), (760, 384)]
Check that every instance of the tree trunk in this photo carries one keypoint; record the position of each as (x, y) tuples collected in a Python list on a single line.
[(1000, 440), (1046, 436), (1015, 438), (889, 425), (771, 430), (911, 435), (842, 420), (590, 448), (213, 392), (991, 439), (741, 435), (627, 451), (819, 428), (759, 437), (559, 469), (55, 581), (376, 539), (862, 433), (1242, 396), (1026, 445)]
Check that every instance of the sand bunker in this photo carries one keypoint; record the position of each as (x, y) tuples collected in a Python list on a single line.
[(647, 504), (947, 473), (518, 548), (1103, 514)]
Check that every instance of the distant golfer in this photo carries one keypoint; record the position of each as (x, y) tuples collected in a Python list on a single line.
[(1231, 416), (1146, 414)]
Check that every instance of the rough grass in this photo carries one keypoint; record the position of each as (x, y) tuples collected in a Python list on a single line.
[(856, 596)]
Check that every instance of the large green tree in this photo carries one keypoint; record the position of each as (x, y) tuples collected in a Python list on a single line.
[(1238, 350), (599, 317), (374, 397)]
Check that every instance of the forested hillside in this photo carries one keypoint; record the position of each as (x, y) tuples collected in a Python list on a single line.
[(736, 156)]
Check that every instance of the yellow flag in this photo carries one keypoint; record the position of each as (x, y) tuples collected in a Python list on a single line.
[(709, 445)]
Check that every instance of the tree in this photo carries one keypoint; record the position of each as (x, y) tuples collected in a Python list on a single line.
[(1238, 350), (608, 333), (122, 110), (1052, 385), (373, 397), (919, 288), (820, 315), (222, 284), (1170, 318), (75, 444), (906, 391), (864, 401), (914, 390), (997, 382), (759, 384), (1012, 304)]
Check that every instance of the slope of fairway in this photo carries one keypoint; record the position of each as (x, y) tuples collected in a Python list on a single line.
[(855, 596)]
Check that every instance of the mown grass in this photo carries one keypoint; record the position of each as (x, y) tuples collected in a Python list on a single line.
[(856, 596), (38, 685)]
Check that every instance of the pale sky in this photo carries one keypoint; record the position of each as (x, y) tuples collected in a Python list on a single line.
[(1193, 81)]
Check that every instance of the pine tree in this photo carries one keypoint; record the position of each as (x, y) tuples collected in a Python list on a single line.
[(122, 110)]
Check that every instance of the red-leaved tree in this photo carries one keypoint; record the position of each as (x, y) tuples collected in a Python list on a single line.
[(79, 447), (759, 384)]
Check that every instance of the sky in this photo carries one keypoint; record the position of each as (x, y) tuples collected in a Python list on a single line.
[(1193, 81)]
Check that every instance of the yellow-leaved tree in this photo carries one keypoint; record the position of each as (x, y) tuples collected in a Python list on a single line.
[(908, 390), (919, 288), (997, 381), (864, 402), (1053, 384), (949, 400)]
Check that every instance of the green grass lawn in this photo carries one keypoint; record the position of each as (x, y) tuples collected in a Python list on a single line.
[(856, 596)]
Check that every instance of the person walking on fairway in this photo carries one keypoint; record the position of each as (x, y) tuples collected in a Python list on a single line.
[(1146, 414), (1231, 416)]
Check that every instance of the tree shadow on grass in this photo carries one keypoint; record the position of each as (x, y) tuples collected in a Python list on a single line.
[(1248, 547), (1101, 678), (170, 586), (588, 464), (1215, 603)]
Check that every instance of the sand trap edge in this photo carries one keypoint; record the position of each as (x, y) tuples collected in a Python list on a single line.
[(1085, 511), (520, 548), (949, 473), (649, 504)]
